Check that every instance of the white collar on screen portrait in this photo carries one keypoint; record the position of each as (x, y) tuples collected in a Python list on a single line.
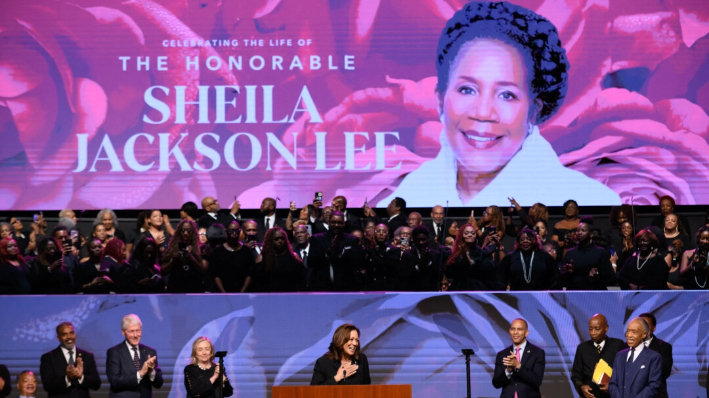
[(534, 174)]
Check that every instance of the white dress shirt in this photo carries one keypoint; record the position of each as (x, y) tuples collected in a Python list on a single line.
[(638, 350), (66, 357)]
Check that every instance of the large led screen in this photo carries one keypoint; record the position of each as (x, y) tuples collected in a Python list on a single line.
[(409, 338), (151, 103)]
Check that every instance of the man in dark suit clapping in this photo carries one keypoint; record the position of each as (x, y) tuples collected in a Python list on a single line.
[(68, 371), (132, 368), (661, 347), (637, 371), (334, 257), (519, 368), (589, 353)]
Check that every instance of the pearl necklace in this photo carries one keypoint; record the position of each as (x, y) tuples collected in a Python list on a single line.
[(527, 278), (640, 266), (200, 366), (697, 281)]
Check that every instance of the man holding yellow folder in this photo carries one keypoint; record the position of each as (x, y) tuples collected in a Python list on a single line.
[(592, 370)]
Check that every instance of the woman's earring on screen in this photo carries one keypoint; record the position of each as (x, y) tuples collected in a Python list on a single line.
[(530, 127)]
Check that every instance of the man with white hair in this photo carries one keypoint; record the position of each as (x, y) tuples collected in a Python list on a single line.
[(132, 368), (637, 371)]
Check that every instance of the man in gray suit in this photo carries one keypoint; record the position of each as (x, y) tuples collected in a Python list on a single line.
[(132, 368)]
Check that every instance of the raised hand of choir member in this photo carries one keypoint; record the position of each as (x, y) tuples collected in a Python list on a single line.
[(564, 229), (695, 262), (470, 267), (491, 219), (182, 261), (381, 261), (50, 274), (587, 266), (281, 269), (646, 269), (203, 377), (343, 363), (156, 229), (15, 273), (141, 274), (89, 277), (528, 267)]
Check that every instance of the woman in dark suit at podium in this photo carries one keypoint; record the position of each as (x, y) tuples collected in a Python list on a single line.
[(343, 363)]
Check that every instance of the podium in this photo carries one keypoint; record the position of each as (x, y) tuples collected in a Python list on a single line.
[(353, 391)]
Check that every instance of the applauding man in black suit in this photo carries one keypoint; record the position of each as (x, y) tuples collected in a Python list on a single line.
[(68, 371), (589, 353), (132, 368), (519, 368)]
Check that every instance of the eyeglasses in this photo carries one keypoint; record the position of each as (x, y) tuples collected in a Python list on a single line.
[(203, 234)]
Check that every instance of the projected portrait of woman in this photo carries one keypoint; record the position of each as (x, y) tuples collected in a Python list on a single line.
[(502, 71)]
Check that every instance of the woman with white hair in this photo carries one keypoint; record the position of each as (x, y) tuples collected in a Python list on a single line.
[(109, 220)]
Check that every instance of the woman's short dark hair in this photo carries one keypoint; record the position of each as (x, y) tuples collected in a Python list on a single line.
[(568, 202), (216, 235), (339, 338), (531, 234), (191, 209), (651, 237), (533, 35)]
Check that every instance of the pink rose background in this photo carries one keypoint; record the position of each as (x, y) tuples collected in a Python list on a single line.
[(635, 116)]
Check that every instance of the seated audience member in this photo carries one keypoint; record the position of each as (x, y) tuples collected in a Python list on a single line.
[(213, 214), (613, 235), (268, 218), (109, 220), (587, 266), (645, 270), (27, 384), (528, 267), (352, 222), (68, 371), (402, 238), (588, 355), (675, 279), (15, 273), (667, 207), (133, 235), (216, 235), (381, 262), (414, 220), (5, 382), (250, 240), (422, 267), (232, 263), (301, 247), (20, 237), (469, 267), (203, 377), (695, 262), (564, 229), (437, 226), (89, 278), (334, 256), (674, 230), (156, 230), (51, 274), (141, 273), (202, 232), (395, 213), (281, 270), (182, 261), (491, 220), (5, 230)]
